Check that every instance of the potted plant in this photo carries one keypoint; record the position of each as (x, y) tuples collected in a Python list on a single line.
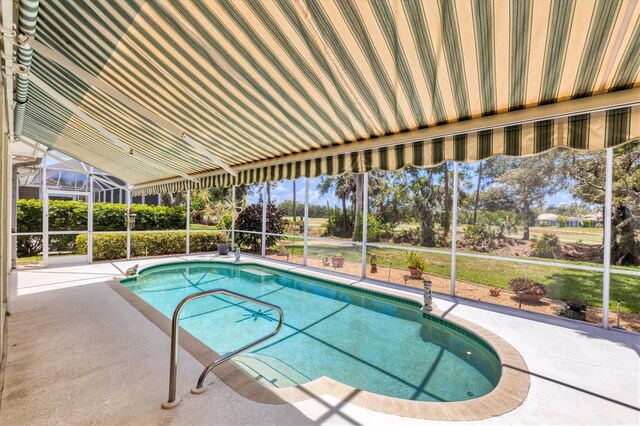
[(528, 290), (337, 260), (495, 292), (224, 246), (575, 309), (416, 264)]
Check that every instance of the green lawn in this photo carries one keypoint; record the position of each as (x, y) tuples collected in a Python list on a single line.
[(199, 227), (314, 222), (564, 284), (567, 235)]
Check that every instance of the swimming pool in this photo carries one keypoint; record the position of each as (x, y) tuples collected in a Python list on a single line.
[(367, 340)]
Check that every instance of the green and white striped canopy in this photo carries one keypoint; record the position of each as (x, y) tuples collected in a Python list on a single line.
[(282, 89)]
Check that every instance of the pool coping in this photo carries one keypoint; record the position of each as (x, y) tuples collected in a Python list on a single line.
[(510, 392)]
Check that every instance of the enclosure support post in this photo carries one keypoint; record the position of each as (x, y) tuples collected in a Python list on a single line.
[(365, 222), (127, 222), (90, 219), (306, 222), (45, 212), (608, 189), (264, 219), (233, 217), (15, 194), (454, 229), (188, 231)]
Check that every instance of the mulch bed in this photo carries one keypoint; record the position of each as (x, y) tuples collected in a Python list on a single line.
[(467, 290)]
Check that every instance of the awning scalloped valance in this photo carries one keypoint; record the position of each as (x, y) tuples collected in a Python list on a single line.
[(592, 131)]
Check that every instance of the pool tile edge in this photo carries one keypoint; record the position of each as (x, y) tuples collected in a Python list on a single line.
[(509, 394)]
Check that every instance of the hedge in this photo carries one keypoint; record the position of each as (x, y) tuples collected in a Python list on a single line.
[(72, 216), (114, 246)]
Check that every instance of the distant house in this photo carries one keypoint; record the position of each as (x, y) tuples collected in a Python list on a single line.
[(547, 219), (595, 218), (573, 222), (552, 219)]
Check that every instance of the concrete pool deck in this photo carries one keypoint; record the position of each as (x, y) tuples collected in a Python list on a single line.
[(79, 353)]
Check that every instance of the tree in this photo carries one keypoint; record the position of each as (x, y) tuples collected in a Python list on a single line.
[(250, 219), (589, 177), (293, 210), (425, 201), (522, 184), (343, 189), (359, 185), (390, 202), (476, 199), (446, 216)]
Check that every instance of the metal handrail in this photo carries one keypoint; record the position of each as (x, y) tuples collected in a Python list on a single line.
[(173, 369)]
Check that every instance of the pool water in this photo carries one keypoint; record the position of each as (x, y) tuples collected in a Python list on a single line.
[(360, 339)]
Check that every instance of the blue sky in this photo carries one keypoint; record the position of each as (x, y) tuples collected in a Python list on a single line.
[(284, 189)]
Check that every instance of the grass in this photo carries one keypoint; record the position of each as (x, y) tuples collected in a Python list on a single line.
[(199, 227), (314, 222), (567, 235), (563, 283)]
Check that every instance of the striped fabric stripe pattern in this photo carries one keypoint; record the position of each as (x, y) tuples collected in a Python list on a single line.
[(257, 81), (580, 132), (27, 17)]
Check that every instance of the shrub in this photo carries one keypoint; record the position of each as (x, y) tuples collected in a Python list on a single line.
[(374, 229), (576, 305), (548, 246), (415, 260), (335, 225), (72, 216), (114, 246), (250, 219), (407, 236), (293, 228), (527, 286)]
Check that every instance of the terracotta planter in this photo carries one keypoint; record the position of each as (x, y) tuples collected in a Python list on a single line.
[(415, 273), (337, 261), (495, 292)]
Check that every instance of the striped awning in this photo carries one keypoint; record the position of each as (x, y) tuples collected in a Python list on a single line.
[(581, 132), (290, 88)]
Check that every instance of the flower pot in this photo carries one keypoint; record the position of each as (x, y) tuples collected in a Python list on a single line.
[(576, 315), (495, 292), (337, 261), (223, 248), (415, 273)]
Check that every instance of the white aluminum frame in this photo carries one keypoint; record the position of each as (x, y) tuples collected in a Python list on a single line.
[(264, 219), (90, 220), (128, 195), (606, 268), (188, 230), (233, 217), (45, 211), (365, 223), (305, 231), (454, 229), (608, 199)]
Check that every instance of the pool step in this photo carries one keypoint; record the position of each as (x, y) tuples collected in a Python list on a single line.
[(269, 371), (257, 275)]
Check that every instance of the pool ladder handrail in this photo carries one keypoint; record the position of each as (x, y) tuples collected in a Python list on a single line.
[(173, 368)]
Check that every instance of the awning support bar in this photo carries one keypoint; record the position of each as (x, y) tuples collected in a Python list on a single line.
[(116, 94), (103, 131)]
